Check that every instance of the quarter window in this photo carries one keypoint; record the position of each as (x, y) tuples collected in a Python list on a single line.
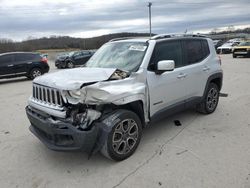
[(205, 48)]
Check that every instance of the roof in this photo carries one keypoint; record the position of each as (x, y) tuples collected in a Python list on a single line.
[(158, 37), (7, 53)]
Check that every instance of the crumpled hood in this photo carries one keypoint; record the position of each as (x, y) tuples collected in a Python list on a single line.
[(72, 79)]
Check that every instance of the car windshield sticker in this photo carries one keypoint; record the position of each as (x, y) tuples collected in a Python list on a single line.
[(138, 48)]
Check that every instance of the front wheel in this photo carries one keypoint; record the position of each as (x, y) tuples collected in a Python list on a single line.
[(70, 64), (211, 99), (234, 56), (124, 136)]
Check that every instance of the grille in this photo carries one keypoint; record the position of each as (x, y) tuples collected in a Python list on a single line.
[(47, 95), (240, 50)]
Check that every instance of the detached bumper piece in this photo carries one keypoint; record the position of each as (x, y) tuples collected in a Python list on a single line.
[(61, 136)]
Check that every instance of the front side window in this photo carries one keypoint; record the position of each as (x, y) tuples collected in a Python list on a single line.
[(126, 56), (167, 50)]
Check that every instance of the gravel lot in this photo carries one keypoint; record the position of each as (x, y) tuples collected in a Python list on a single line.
[(206, 151)]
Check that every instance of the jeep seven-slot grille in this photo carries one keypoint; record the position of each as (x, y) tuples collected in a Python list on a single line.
[(47, 95)]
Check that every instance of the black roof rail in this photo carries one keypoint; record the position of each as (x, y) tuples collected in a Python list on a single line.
[(173, 35), (124, 38)]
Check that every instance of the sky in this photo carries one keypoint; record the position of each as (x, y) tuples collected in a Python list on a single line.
[(23, 19)]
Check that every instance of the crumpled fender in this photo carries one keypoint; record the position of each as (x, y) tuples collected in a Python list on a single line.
[(105, 127)]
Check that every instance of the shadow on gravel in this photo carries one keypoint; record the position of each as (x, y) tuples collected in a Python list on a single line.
[(159, 129)]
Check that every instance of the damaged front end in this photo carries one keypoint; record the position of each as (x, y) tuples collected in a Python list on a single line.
[(64, 117), (77, 131)]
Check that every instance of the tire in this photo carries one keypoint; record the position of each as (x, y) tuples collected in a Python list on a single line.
[(70, 64), (211, 99), (124, 137), (35, 73), (234, 56)]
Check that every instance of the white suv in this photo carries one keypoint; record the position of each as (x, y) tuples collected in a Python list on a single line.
[(126, 85)]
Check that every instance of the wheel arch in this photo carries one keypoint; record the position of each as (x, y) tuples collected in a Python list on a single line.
[(217, 79)]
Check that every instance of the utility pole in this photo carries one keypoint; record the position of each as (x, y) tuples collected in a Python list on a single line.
[(149, 9)]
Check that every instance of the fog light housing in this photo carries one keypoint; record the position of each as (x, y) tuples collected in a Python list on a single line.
[(84, 120)]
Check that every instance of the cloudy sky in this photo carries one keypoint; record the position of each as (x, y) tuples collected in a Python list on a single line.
[(20, 19)]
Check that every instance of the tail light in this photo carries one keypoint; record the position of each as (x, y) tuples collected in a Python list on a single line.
[(44, 60)]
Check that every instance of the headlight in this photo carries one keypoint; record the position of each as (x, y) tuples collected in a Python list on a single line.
[(75, 93)]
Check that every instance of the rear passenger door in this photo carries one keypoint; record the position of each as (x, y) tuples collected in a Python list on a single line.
[(22, 63), (86, 57), (196, 52), (78, 58), (6, 65)]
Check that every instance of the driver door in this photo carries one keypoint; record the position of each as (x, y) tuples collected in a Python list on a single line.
[(169, 88)]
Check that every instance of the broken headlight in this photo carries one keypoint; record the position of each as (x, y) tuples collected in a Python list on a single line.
[(75, 93)]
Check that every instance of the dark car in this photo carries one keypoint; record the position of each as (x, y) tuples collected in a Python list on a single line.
[(27, 64), (217, 43), (72, 59)]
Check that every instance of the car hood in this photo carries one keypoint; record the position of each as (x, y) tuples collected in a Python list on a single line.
[(73, 79), (225, 46), (239, 47)]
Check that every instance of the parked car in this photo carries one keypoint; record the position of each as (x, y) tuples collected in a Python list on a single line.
[(243, 49), (72, 59), (217, 43), (15, 64), (125, 86), (226, 48), (238, 40)]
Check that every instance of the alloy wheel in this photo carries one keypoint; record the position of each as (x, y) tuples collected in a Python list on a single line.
[(125, 136), (212, 99)]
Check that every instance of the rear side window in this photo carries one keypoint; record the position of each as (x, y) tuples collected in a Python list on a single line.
[(169, 50), (27, 57), (196, 50), (6, 59)]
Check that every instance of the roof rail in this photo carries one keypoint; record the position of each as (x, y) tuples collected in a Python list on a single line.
[(172, 35), (124, 38)]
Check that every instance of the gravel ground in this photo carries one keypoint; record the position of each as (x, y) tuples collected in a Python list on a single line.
[(205, 151)]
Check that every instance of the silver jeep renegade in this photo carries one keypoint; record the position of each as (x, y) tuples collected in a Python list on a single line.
[(125, 86)]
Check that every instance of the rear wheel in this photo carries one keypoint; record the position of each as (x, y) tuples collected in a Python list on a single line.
[(124, 137), (234, 56), (35, 73), (210, 102)]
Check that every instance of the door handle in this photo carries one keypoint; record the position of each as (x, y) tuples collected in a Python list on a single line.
[(10, 65), (206, 68), (181, 75)]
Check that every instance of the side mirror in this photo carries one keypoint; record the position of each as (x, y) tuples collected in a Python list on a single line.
[(165, 65)]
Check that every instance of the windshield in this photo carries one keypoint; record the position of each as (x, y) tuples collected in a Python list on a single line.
[(125, 56), (244, 44)]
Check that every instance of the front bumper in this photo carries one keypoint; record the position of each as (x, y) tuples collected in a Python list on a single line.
[(60, 63), (61, 136), (224, 51)]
